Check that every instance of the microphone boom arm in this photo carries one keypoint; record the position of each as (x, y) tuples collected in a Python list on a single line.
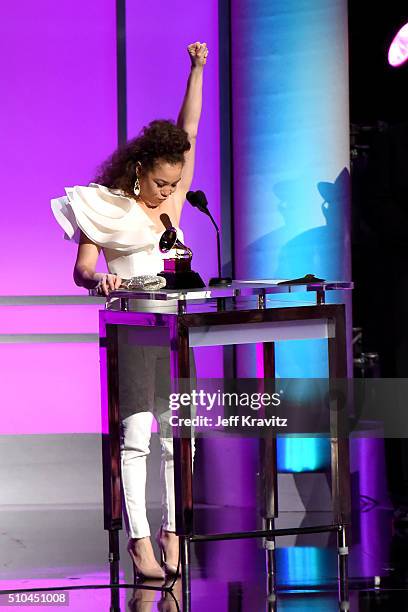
[(218, 243), (198, 199)]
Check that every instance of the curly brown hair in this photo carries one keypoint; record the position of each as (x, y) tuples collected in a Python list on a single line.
[(161, 139)]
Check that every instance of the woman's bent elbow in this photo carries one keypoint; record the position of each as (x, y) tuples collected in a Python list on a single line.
[(78, 277)]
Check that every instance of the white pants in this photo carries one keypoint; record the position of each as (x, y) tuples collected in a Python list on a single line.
[(144, 376), (135, 447)]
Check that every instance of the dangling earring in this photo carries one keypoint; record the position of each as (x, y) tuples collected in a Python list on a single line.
[(136, 188)]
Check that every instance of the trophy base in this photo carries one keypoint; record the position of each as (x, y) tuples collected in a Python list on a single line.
[(182, 280), (220, 281)]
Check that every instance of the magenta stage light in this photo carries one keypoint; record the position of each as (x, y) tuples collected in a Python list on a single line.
[(398, 51)]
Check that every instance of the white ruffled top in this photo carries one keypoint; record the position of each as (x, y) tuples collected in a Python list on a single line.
[(127, 235)]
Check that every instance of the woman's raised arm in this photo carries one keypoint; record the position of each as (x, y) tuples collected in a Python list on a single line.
[(190, 112)]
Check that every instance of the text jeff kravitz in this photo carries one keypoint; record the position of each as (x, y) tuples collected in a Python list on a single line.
[(231, 421)]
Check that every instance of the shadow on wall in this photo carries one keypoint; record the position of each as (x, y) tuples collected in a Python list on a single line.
[(284, 253)]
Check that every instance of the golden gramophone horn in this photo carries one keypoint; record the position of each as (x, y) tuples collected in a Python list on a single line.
[(169, 241)]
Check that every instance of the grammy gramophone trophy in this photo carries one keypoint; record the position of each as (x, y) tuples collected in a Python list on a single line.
[(177, 268)]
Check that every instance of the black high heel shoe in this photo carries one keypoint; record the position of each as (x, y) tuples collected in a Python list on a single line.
[(170, 568)]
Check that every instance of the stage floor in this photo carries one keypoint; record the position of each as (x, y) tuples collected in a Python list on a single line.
[(54, 548)]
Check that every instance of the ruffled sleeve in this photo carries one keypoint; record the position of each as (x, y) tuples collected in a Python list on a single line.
[(108, 218)]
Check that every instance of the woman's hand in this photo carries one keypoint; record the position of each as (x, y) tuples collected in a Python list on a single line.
[(198, 53), (107, 283)]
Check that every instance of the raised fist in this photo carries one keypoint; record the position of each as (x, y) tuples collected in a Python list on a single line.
[(198, 53)]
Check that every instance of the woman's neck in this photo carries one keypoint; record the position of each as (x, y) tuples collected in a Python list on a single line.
[(150, 206)]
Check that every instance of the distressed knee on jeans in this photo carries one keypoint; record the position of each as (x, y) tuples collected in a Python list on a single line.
[(167, 448)]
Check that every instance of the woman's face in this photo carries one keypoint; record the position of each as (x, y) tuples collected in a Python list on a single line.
[(158, 184)]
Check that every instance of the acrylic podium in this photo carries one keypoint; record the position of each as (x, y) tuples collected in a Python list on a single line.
[(247, 312)]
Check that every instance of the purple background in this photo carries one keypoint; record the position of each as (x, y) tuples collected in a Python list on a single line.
[(58, 123)]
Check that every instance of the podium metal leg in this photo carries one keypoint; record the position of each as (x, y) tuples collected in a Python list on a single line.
[(270, 548), (114, 556), (343, 568), (269, 476), (340, 462), (269, 508), (115, 601), (112, 500), (185, 572), (339, 415), (183, 467)]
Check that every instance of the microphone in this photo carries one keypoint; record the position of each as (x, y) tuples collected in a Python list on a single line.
[(198, 199)]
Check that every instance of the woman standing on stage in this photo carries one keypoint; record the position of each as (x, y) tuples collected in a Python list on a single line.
[(120, 214)]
